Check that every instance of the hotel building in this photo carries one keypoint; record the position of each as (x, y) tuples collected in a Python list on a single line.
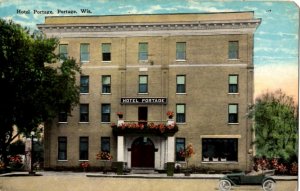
[(198, 66)]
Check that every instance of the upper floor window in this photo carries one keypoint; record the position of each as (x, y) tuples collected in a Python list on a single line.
[(180, 84), (63, 51), (143, 84), (62, 117), (233, 113), (180, 113), (84, 84), (180, 51), (84, 52), (106, 52), (233, 84), (62, 148), (179, 146), (84, 112), (105, 113), (143, 51), (106, 84), (233, 50)]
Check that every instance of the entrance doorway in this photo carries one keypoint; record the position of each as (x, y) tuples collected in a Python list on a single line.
[(142, 153), (143, 115)]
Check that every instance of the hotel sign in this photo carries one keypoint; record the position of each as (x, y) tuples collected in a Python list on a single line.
[(143, 100)]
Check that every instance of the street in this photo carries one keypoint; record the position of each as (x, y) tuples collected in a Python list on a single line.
[(80, 182)]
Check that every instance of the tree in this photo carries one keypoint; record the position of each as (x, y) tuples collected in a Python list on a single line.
[(276, 126), (34, 88)]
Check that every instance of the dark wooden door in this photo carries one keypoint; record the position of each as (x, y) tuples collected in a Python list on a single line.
[(142, 153)]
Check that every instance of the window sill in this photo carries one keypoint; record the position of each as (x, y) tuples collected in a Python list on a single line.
[(81, 122), (84, 160), (62, 160), (233, 123), (84, 62), (105, 122), (233, 59), (105, 93), (143, 93), (180, 60), (181, 123), (181, 93), (84, 93), (106, 62), (233, 93), (60, 122)]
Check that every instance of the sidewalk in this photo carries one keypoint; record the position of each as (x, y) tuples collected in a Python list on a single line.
[(143, 176)]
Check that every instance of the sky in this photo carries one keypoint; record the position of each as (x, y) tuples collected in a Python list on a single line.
[(276, 41)]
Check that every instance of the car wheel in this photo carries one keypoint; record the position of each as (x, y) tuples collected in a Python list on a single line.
[(268, 185), (224, 185)]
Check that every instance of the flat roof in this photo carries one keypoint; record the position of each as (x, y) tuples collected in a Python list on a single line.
[(149, 18)]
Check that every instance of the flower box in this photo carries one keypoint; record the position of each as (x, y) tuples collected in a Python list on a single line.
[(151, 128)]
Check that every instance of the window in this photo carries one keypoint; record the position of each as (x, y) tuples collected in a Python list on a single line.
[(218, 149), (233, 50), (180, 51), (143, 51), (106, 54), (84, 84), (180, 84), (84, 112), (62, 117), (143, 84), (83, 148), (233, 113), (105, 144), (180, 113), (63, 51), (179, 146), (62, 148), (106, 84), (84, 52), (233, 84), (105, 113)]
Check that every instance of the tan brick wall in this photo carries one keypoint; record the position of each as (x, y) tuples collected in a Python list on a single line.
[(206, 69)]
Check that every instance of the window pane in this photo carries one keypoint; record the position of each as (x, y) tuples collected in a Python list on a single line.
[(180, 79), (84, 112), (233, 79), (106, 48), (180, 146), (233, 108), (143, 80), (180, 50), (105, 144), (180, 109), (84, 52), (62, 117), (106, 79), (62, 148), (63, 51), (83, 148), (233, 47), (105, 113), (84, 84), (220, 149)]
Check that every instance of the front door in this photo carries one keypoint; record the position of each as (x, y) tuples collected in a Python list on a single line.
[(142, 153)]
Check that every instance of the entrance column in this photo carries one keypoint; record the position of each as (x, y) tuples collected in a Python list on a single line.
[(171, 149), (120, 151)]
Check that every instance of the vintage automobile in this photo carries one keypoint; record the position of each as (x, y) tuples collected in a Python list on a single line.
[(236, 179)]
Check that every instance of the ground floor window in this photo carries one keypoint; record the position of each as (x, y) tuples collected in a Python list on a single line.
[(62, 148), (83, 148), (219, 149), (180, 145)]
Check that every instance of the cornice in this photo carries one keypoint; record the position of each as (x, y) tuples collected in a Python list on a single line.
[(150, 29)]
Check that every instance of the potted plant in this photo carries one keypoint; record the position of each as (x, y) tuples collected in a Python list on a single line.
[(120, 115), (84, 165), (187, 153), (170, 114), (106, 158)]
